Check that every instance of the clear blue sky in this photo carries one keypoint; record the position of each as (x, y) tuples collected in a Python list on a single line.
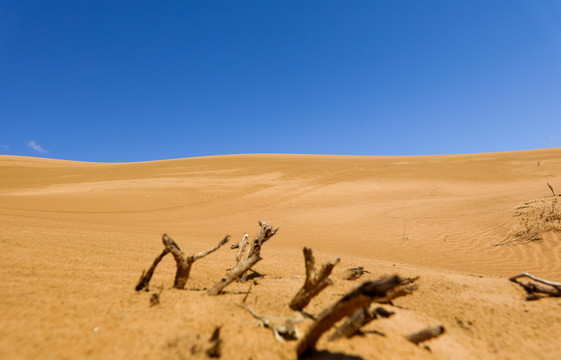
[(147, 80)]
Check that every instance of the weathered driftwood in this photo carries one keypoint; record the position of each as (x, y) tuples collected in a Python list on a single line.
[(315, 282), (183, 262), (360, 318), (241, 247), (540, 286), (551, 188), (282, 328), (254, 256), (215, 351), (425, 334), (359, 297)]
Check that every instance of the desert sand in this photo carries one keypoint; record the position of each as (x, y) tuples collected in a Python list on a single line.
[(75, 237)]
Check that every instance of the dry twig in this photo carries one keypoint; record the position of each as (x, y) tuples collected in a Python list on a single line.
[(315, 282), (253, 257), (551, 188)]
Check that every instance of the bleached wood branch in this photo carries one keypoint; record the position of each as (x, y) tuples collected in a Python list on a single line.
[(254, 256), (552, 288), (241, 247)]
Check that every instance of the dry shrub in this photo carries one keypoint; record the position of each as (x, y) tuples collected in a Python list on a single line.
[(537, 217)]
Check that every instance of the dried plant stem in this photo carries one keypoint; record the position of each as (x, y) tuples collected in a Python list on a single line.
[(551, 188)]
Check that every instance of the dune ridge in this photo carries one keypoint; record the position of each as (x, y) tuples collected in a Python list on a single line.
[(75, 236)]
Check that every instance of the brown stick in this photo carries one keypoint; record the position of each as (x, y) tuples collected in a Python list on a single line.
[(357, 298), (315, 281), (551, 188), (360, 318), (147, 275), (264, 234), (425, 334), (353, 323)]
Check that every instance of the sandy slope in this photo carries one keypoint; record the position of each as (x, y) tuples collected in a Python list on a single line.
[(74, 237)]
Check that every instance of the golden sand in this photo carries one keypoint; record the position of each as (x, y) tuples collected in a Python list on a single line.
[(75, 237)]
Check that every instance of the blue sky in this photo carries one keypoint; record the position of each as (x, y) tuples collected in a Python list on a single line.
[(148, 80)]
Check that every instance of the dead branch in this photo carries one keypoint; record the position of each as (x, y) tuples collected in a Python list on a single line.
[(283, 328), (147, 275), (214, 351), (357, 298), (353, 323), (315, 282), (540, 286), (425, 334), (183, 262), (254, 256), (551, 188), (360, 318), (354, 273)]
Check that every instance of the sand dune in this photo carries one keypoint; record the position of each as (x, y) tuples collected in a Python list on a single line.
[(74, 238)]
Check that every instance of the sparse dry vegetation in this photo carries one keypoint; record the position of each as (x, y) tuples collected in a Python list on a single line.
[(537, 217)]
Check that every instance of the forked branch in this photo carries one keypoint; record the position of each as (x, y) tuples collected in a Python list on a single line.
[(315, 282), (183, 262), (359, 297)]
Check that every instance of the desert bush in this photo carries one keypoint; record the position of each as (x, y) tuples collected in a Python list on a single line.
[(537, 217)]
